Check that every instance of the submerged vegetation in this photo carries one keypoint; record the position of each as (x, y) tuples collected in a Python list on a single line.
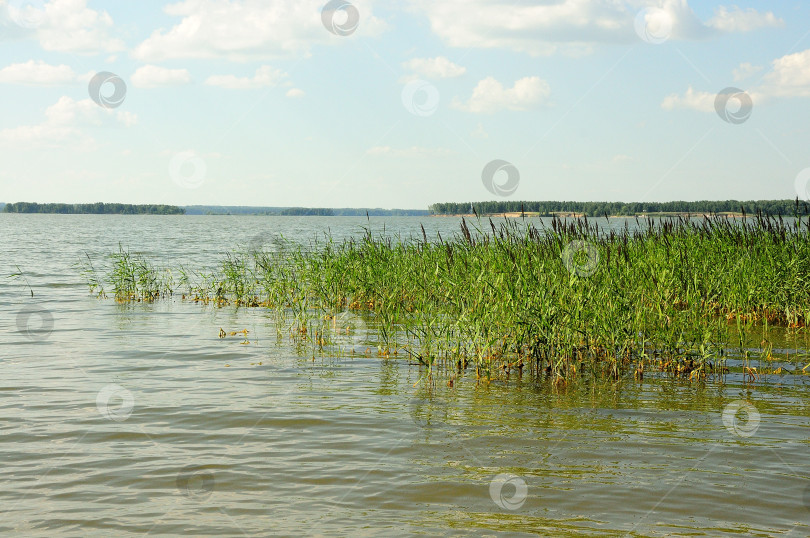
[(567, 299)]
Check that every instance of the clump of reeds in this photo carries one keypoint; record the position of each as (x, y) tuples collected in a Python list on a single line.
[(563, 300), (131, 277)]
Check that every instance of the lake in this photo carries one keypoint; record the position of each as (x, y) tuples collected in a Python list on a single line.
[(139, 419)]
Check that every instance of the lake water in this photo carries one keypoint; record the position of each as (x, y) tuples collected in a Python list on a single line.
[(139, 419)]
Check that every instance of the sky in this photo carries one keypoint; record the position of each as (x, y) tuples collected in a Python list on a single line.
[(402, 104)]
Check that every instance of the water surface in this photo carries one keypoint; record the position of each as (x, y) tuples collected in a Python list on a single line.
[(139, 419)]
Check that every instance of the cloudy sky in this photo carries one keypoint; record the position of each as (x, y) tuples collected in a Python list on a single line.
[(401, 104)]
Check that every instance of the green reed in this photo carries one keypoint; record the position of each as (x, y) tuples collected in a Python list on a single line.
[(566, 299), (131, 277)]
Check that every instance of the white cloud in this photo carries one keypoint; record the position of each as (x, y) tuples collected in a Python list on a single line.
[(745, 70), (695, 100), (295, 92), (152, 76), (265, 76), (490, 95), (742, 20), (69, 112), (245, 30), (570, 26), (65, 123), (789, 77), (439, 67), (38, 73), (413, 151), (69, 26)]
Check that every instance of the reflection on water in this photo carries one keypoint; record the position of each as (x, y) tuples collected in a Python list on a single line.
[(139, 418)]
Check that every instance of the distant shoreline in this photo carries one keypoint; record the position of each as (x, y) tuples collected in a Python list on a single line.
[(501, 209), (571, 209), (102, 208), (518, 214), (98, 208)]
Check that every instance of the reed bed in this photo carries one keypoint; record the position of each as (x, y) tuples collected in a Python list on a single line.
[(566, 299)]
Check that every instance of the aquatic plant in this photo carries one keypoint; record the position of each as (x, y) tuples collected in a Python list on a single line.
[(131, 277), (563, 299)]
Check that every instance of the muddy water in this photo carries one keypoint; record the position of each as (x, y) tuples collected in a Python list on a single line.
[(139, 419)]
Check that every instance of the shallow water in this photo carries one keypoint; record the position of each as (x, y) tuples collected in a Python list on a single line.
[(139, 419)]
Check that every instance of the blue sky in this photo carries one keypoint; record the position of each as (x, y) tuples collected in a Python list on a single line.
[(265, 102)]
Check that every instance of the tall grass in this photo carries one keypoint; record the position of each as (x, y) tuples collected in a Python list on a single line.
[(564, 299), (131, 277)]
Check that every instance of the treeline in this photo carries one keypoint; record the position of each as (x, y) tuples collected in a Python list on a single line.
[(274, 211), (98, 208), (377, 212), (599, 209), (308, 211)]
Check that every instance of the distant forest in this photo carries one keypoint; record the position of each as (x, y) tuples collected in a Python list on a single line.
[(599, 209), (308, 211), (302, 211), (99, 208)]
